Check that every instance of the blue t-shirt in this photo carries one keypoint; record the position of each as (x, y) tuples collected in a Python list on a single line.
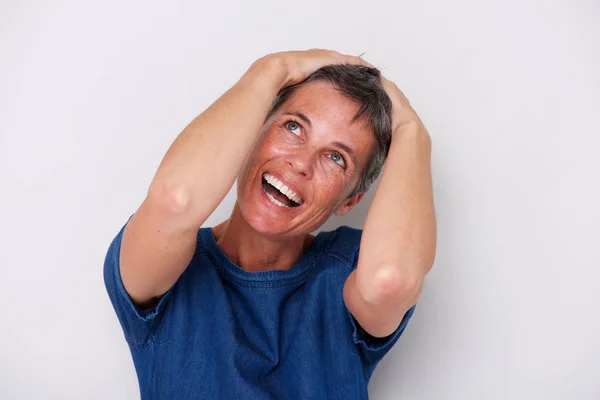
[(225, 333)]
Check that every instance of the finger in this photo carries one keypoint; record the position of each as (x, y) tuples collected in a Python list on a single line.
[(385, 81), (391, 87), (356, 60), (364, 62)]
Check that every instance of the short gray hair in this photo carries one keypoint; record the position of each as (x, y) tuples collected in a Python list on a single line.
[(363, 85)]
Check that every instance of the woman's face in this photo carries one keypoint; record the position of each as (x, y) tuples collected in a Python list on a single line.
[(312, 146)]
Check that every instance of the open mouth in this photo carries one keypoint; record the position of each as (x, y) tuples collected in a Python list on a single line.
[(279, 193)]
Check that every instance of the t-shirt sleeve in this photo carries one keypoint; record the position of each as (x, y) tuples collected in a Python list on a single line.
[(372, 348), (138, 325)]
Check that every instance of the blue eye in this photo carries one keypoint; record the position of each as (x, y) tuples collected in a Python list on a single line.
[(293, 127), (338, 158)]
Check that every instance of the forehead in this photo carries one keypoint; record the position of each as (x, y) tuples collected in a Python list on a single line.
[(324, 101), (332, 115)]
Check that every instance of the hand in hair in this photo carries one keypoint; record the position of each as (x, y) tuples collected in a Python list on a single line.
[(403, 114), (300, 64)]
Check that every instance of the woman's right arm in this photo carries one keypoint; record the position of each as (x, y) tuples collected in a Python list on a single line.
[(199, 169)]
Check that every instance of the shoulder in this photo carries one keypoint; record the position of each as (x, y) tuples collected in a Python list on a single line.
[(342, 243)]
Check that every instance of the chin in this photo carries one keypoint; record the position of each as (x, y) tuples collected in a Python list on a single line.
[(265, 216), (266, 226), (259, 219)]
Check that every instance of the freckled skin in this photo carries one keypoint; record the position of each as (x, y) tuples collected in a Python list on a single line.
[(303, 156)]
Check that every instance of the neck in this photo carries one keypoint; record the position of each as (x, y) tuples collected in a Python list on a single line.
[(254, 251)]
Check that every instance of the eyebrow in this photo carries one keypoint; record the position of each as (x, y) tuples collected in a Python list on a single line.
[(301, 116)]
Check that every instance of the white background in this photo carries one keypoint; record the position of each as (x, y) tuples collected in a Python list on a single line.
[(93, 93)]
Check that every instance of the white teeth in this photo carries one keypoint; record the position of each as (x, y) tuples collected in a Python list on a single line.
[(286, 191), (274, 200)]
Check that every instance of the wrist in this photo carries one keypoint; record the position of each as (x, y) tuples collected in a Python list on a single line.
[(269, 70), (411, 128)]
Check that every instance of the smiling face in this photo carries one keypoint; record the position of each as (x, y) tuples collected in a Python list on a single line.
[(311, 150)]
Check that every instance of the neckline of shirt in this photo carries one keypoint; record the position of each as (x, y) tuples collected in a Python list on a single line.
[(233, 272)]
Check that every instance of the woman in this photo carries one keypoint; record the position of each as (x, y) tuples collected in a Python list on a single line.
[(257, 307)]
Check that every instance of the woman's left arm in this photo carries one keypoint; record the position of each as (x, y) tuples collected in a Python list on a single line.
[(398, 242)]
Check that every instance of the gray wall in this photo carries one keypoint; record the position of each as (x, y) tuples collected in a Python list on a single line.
[(93, 93)]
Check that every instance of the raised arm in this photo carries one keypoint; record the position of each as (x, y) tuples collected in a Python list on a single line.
[(398, 242), (199, 169)]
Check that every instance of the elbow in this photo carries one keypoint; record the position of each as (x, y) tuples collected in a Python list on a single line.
[(390, 285), (173, 199)]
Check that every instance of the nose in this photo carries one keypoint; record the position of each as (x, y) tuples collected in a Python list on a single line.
[(301, 163)]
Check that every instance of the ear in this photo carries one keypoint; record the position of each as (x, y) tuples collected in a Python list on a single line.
[(349, 204)]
